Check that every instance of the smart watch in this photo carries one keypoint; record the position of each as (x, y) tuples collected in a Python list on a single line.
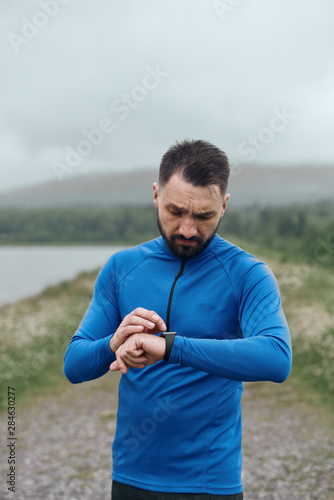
[(169, 337)]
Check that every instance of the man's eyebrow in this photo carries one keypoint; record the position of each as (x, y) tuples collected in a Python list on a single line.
[(175, 207), (197, 214)]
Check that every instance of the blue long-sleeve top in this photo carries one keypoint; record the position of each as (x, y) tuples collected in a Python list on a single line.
[(179, 423)]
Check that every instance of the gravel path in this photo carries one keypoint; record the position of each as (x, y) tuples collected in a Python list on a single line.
[(64, 446)]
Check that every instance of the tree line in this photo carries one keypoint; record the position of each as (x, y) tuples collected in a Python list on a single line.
[(292, 231)]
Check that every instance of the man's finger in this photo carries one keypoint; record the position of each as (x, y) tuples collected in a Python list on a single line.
[(122, 334), (118, 365), (114, 367), (133, 362), (138, 321), (150, 316), (159, 322), (133, 352)]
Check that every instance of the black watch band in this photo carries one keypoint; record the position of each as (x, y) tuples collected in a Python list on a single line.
[(169, 337)]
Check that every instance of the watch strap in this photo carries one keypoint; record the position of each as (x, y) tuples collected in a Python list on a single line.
[(169, 337)]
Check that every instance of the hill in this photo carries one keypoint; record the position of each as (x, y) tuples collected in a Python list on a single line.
[(249, 185)]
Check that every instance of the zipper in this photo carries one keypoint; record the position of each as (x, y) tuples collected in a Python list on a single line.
[(179, 274)]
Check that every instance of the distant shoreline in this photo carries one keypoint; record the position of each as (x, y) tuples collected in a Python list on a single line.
[(27, 270)]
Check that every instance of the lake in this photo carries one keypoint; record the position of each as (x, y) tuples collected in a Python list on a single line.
[(27, 270)]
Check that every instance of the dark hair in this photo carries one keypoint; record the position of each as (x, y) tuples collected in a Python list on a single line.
[(199, 162)]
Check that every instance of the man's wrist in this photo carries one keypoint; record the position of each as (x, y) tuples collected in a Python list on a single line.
[(111, 344), (169, 339)]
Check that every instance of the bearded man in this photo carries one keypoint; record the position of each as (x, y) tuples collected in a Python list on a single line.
[(186, 318)]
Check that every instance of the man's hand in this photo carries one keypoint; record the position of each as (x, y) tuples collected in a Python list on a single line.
[(139, 350), (138, 321)]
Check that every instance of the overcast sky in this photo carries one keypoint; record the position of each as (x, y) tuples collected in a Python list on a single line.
[(89, 86)]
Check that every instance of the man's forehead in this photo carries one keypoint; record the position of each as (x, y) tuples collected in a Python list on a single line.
[(178, 186), (186, 197)]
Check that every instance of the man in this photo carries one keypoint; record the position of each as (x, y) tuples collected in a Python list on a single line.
[(178, 430)]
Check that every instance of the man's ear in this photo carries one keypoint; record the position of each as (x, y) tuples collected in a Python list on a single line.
[(155, 193), (225, 200)]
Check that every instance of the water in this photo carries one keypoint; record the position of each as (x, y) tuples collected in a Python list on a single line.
[(27, 270)]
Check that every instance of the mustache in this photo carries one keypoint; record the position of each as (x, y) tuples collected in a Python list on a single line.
[(181, 237)]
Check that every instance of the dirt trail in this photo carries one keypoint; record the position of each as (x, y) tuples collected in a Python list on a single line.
[(64, 445)]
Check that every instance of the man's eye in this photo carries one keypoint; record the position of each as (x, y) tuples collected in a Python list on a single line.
[(204, 217), (173, 212)]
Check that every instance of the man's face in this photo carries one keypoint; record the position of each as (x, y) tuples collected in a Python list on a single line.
[(188, 215)]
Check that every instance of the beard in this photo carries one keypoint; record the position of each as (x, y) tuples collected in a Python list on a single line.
[(184, 252)]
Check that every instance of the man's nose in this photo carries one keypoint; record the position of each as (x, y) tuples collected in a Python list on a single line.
[(188, 227)]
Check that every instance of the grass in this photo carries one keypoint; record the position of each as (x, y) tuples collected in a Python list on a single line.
[(35, 333), (34, 336), (307, 298)]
